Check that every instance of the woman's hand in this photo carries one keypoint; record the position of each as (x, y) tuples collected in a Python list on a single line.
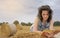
[(48, 35)]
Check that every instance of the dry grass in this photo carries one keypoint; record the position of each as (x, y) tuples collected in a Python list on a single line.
[(5, 30), (25, 33), (57, 27)]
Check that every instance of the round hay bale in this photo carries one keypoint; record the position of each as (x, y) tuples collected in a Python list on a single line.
[(13, 28), (8, 29)]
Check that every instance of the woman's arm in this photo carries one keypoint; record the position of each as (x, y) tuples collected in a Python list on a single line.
[(35, 25), (51, 25)]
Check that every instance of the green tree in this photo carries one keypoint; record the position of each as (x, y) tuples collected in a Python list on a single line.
[(23, 23), (29, 24), (57, 23), (1, 23), (16, 22), (26, 24)]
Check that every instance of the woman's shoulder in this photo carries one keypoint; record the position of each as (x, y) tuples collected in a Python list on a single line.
[(37, 19), (51, 21)]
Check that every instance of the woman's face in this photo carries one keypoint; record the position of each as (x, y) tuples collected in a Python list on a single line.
[(45, 15)]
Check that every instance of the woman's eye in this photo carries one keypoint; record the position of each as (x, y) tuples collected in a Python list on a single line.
[(43, 14), (46, 14)]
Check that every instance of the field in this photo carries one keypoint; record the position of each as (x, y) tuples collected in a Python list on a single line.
[(27, 28), (57, 27), (25, 33)]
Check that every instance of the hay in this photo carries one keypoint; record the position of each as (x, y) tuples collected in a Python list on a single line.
[(19, 27), (21, 34), (6, 30), (57, 35), (27, 34), (53, 32)]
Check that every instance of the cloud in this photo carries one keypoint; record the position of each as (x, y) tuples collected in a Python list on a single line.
[(26, 9)]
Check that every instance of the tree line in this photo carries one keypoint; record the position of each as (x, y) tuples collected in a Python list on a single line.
[(56, 23)]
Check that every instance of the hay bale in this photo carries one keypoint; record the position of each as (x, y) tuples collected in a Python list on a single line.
[(0, 29), (25, 34), (13, 28), (19, 27), (3, 37), (7, 30)]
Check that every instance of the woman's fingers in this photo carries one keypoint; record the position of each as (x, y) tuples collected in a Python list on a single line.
[(48, 34)]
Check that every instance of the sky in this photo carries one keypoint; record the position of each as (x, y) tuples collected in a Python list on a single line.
[(26, 10)]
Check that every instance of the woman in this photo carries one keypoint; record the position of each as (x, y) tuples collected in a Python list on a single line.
[(43, 20)]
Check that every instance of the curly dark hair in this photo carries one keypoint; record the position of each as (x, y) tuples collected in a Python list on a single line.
[(42, 8)]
